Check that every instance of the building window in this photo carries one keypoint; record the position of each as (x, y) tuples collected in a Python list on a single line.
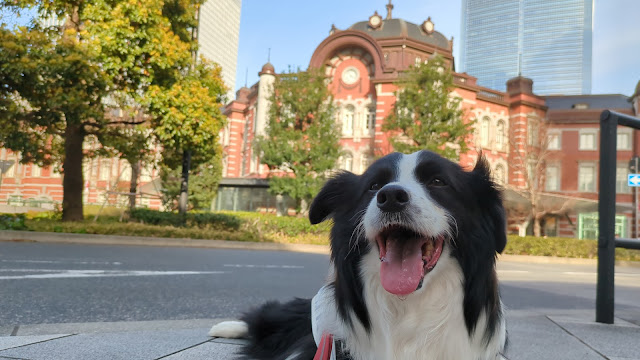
[(623, 141), (622, 178), (11, 171), (484, 132), (588, 226), (36, 171), (347, 162), (499, 175), (552, 181), (371, 119), (347, 120), (587, 141), (104, 169), (500, 135), (587, 178), (553, 141), (532, 133)]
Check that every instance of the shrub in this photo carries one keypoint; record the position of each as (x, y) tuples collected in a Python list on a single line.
[(195, 219), (12, 222)]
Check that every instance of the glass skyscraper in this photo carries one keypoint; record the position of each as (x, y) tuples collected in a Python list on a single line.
[(548, 41)]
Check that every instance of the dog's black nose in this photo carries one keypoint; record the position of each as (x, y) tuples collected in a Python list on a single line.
[(392, 198)]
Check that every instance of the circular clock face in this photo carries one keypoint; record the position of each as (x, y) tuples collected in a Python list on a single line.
[(428, 26), (375, 21), (350, 75)]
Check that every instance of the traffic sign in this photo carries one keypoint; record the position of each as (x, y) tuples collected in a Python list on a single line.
[(634, 180)]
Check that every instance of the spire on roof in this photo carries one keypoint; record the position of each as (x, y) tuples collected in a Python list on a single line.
[(389, 8)]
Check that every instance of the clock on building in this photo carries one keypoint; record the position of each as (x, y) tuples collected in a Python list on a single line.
[(427, 26), (350, 75), (375, 21)]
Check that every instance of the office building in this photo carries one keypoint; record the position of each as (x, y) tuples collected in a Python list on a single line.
[(548, 41)]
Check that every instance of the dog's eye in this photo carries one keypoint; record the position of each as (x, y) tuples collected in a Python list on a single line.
[(374, 187), (437, 182)]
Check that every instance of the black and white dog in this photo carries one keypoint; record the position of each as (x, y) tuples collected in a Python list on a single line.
[(413, 250)]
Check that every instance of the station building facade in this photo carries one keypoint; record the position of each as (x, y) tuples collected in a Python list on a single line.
[(363, 62)]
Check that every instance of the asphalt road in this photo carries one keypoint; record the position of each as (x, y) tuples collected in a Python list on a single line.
[(55, 283)]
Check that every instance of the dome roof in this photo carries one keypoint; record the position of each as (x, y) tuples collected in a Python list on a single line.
[(400, 28), (267, 69)]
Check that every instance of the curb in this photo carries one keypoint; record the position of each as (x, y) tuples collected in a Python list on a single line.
[(94, 239)]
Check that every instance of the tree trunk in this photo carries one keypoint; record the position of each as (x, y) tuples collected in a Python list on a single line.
[(72, 182), (537, 228), (184, 182), (133, 184)]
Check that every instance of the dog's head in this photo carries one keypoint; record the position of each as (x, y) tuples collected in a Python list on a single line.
[(412, 209)]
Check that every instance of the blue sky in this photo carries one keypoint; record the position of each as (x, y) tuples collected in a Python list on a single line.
[(294, 28)]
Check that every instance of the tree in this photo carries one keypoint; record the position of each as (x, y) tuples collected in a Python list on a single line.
[(187, 119), (60, 83), (424, 115), (202, 188), (301, 142), (530, 158)]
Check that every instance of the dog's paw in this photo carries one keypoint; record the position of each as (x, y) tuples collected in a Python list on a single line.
[(230, 330)]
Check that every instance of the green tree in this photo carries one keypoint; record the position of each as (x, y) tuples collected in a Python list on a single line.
[(424, 115), (60, 84), (301, 141), (187, 118), (203, 185)]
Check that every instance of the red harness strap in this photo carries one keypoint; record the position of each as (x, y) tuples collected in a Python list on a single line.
[(324, 348)]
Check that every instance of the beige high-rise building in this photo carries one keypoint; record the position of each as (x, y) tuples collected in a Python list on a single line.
[(218, 37)]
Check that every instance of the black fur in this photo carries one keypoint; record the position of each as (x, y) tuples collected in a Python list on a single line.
[(277, 330)]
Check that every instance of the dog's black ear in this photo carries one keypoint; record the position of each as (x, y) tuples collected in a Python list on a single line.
[(335, 193), (490, 199)]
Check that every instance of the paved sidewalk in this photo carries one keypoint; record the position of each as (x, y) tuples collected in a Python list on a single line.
[(532, 335)]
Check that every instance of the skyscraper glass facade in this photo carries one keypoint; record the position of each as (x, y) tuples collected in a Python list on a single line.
[(548, 41)]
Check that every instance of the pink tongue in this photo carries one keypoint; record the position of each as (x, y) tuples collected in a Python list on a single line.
[(402, 269)]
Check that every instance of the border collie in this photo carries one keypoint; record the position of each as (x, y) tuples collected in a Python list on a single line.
[(413, 251)]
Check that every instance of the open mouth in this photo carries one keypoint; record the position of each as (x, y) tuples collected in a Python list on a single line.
[(406, 257)]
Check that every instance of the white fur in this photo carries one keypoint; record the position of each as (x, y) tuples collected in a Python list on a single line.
[(428, 219), (426, 325), (230, 330)]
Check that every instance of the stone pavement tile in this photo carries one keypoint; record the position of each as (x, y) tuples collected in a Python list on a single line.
[(8, 342), (141, 345), (619, 358), (534, 337), (610, 340), (6, 330), (208, 350), (121, 326), (230, 341)]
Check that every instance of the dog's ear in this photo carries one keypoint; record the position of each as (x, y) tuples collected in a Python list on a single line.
[(334, 194), (490, 199)]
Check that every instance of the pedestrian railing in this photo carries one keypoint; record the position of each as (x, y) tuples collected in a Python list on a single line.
[(607, 243)]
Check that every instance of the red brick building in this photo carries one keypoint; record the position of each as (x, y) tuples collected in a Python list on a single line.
[(363, 63)]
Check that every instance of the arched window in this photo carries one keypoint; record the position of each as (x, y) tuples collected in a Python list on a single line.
[(484, 131), (365, 162), (499, 174), (500, 135), (347, 120), (347, 162)]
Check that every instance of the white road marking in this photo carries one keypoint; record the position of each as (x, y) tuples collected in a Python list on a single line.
[(61, 262), (264, 266), (65, 274), (513, 272)]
